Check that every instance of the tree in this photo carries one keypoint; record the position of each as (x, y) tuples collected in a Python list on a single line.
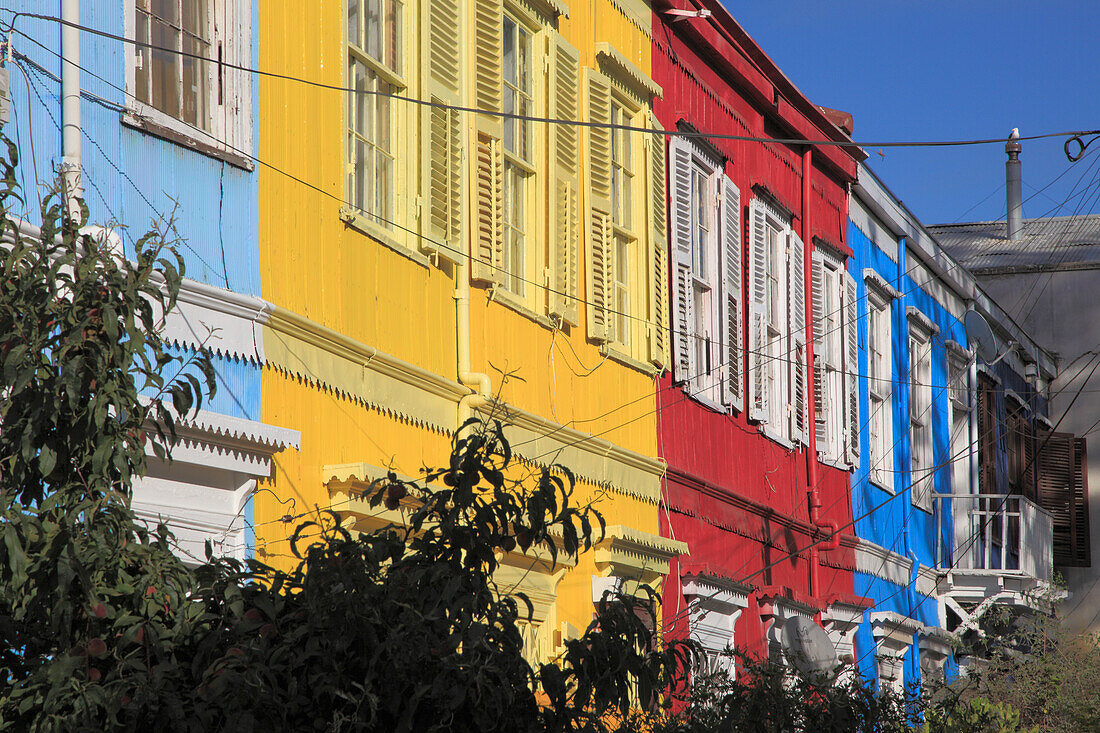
[(401, 629)]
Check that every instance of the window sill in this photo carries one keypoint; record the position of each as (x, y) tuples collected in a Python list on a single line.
[(361, 224), (773, 435), (181, 135), (838, 463), (511, 301), (689, 390), (880, 484), (616, 352)]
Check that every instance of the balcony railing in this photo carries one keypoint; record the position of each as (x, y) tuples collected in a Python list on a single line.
[(998, 532)]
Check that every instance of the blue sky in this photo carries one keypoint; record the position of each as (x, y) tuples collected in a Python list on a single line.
[(943, 71)]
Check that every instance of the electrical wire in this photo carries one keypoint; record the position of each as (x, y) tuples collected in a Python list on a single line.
[(532, 118)]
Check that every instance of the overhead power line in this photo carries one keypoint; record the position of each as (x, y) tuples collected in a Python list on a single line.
[(1070, 134)]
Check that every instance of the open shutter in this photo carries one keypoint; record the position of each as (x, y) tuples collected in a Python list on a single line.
[(441, 177), (851, 366), (732, 372), (1063, 491), (488, 242), (683, 318), (796, 283), (758, 331), (600, 236), (821, 397), (564, 145), (658, 248)]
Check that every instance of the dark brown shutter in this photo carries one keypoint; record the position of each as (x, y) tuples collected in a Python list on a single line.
[(987, 436), (1063, 491)]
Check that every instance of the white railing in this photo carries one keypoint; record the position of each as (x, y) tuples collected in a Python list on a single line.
[(1004, 532)]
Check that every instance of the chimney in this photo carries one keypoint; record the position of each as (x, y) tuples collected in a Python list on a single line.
[(1013, 192)]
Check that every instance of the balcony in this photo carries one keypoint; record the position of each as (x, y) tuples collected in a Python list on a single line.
[(1001, 552)]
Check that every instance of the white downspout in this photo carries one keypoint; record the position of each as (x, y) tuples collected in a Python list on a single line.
[(974, 478), (481, 384), (70, 106)]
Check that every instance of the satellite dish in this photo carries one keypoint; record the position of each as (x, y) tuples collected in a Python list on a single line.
[(980, 335), (808, 647)]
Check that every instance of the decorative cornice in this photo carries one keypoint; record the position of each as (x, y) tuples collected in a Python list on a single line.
[(621, 67), (874, 279), (890, 566), (921, 320), (632, 553), (894, 632)]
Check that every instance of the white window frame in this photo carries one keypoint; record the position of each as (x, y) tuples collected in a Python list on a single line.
[(777, 322), (707, 265), (228, 132), (960, 413), (921, 412), (832, 368), (518, 166), (879, 385)]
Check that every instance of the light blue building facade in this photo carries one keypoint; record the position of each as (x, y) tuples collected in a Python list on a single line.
[(165, 140)]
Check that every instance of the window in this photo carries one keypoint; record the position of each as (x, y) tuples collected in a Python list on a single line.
[(879, 385), (777, 323), (517, 153), (188, 89), (374, 71), (625, 246), (921, 471), (836, 367), (1020, 448), (706, 210), (958, 374)]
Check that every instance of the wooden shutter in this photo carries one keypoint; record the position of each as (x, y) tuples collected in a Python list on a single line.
[(658, 248), (732, 372), (683, 317), (441, 176), (601, 326), (1063, 491), (796, 288), (817, 323), (488, 82), (564, 180), (987, 436), (851, 366), (758, 296)]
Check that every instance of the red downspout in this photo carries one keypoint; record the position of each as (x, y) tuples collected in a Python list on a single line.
[(812, 495)]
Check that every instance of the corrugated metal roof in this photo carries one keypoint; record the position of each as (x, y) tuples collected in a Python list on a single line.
[(1060, 242)]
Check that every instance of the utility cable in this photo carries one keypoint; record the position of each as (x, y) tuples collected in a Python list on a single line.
[(531, 118)]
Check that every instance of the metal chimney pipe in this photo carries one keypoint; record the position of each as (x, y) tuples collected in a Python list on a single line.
[(1013, 187)]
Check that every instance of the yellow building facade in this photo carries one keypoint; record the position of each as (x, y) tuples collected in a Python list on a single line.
[(434, 249)]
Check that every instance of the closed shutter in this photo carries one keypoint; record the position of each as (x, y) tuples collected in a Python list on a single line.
[(758, 331), (683, 318), (796, 285), (488, 242), (1063, 491), (441, 177), (821, 397), (732, 372), (601, 326), (851, 366), (564, 181), (658, 248)]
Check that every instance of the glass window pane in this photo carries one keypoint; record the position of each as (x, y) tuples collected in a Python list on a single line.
[(373, 24), (393, 57), (362, 175), (164, 69), (354, 37), (142, 61), (383, 189)]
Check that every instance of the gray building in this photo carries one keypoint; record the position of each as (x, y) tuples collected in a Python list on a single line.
[(1047, 278)]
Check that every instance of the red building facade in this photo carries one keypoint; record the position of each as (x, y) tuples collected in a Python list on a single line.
[(748, 485)]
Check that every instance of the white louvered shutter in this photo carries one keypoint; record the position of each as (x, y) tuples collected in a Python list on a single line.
[(683, 301), (821, 396), (658, 249), (442, 180), (601, 325), (732, 372), (796, 284), (488, 241), (564, 180), (758, 297), (851, 367)]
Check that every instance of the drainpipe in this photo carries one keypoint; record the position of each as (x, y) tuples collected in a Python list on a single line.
[(70, 106), (481, 384), (1014, 219), (973, 425), (813, 497)]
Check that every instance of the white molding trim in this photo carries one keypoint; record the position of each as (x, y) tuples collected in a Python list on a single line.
[(227, 323), (916, 317), (873, 279), (887, 565)]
